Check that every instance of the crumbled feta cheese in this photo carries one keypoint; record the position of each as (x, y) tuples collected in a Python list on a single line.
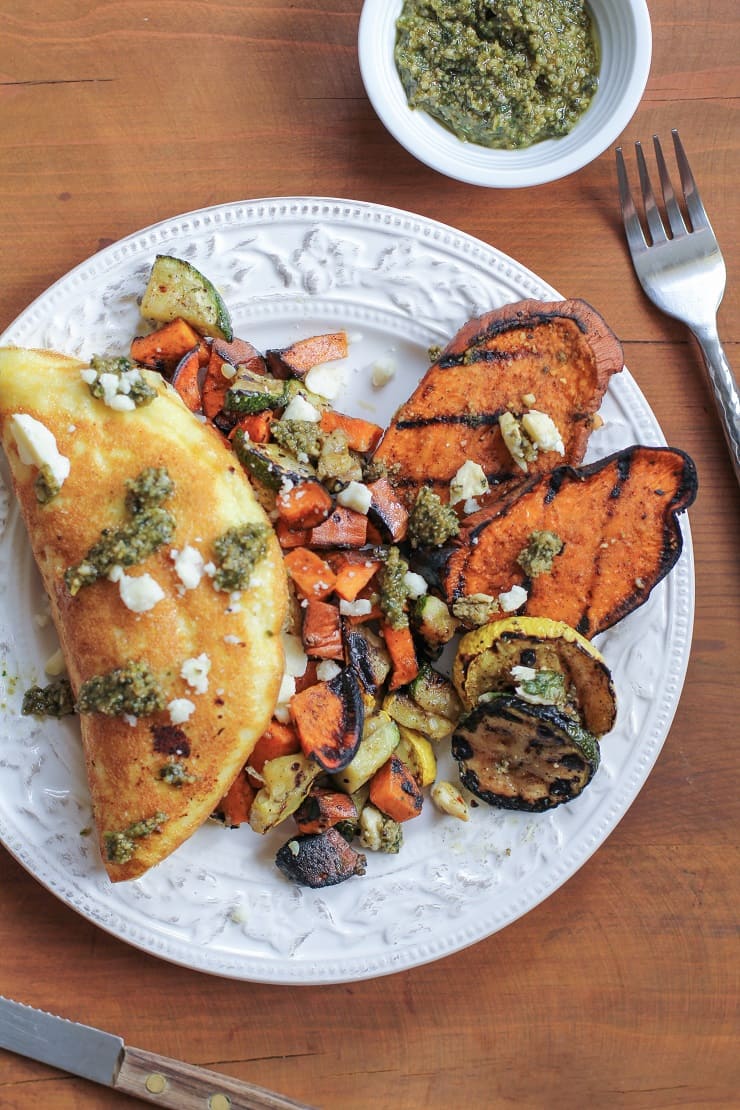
[(301, 409), (470, 506), (195, 672), (88, 375), (130, 720), (416, 586), (231, 639), (180, 710), (357, 496), (37, 446), (286, 692), (296, 659), (138, 593), (359, 608), (121, 403), (469, 481), (523, 674), (189, 566), (55, 664), (327, 669), (512, 599), (326, 379), (210, 569), (383, 371), (542, 431)]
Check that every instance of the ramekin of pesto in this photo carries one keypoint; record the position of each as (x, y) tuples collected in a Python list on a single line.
[(504, 74)]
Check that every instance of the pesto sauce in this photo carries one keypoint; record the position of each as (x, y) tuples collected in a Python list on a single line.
[(539, 554), (393, 589), (120, 846), (53, 700), (506, 73), (150, 526), (132, 689), (431, 522), (175, 773), (299, 437), (131, 381), (237, 552), (45, 486)]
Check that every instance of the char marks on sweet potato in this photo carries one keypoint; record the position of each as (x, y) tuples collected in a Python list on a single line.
[(617, 521), (554, 357)]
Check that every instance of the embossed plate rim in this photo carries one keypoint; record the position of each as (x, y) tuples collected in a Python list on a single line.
[(458, 903)]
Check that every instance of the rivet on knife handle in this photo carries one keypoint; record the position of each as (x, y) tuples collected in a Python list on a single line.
[(179, 1086)]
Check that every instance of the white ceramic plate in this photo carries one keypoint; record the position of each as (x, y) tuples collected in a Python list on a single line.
[(398, 283)]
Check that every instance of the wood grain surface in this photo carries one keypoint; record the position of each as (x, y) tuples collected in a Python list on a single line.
[(621, 990)]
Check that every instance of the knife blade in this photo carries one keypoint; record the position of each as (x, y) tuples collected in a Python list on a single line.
[(104, 1058)]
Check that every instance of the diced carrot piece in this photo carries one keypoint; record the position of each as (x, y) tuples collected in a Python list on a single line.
[(279, 739), (289, 538), (394, 790), (400, 644), (313, 577), (238, 352), (308, 678), (374, 535), (329, 719), (322, 809), (215, 386), (322, 631), (305, 504), (162, 349), (255, 425), (295, 361), (343, 528), (354, 571), (237, 801), (362, 435), (387, 510), (186, 379)]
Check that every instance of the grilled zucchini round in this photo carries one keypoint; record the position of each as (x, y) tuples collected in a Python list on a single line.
[(486, 656), (515, 755)]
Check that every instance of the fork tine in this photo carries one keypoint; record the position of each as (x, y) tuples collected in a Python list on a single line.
[(655, 224), (675, 216), (697, 212), (635, 238)]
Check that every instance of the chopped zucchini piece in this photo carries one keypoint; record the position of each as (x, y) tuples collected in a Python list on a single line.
[(253, 392), (287, 781), (405, 711), (379, 739), (417, 753), (175, 288), (270, 464), (435, 693), (486, 656), (433, 624), (516, 755)]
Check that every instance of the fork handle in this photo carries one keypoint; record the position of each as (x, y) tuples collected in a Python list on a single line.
[(724, 388)]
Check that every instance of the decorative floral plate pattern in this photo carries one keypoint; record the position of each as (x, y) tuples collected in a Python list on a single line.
[(289, 268)]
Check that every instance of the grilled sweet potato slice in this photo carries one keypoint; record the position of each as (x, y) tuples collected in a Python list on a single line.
[(617, 521), (553, 357)]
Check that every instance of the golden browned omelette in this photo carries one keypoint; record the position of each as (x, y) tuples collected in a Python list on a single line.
[(167, 590)]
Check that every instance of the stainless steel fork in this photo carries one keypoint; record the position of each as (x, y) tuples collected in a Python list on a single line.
[(683, 273)]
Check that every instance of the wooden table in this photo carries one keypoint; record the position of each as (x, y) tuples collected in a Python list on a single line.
[(621, 989)]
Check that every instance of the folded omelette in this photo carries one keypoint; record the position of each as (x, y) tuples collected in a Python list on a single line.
[(166, 585)]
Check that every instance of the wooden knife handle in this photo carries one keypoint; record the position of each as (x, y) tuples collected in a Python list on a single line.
[(180, 1086)]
